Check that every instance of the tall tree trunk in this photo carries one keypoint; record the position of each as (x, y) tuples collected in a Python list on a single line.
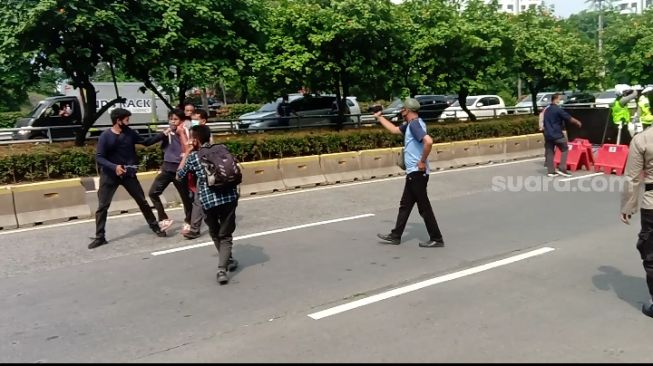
[(462, 100), (245, 89), (205, 100), (90, 113), (182, 89), (533, 89), (149, 85)]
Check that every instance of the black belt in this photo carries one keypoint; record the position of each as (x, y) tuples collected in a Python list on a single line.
[(649, 187)]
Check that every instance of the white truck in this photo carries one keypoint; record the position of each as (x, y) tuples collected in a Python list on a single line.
[(68, 110)]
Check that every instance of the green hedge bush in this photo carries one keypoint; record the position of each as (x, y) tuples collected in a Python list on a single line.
[(28, 163), (8, 119)]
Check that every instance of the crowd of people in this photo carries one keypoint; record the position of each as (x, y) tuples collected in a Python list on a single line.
[(187, 146)]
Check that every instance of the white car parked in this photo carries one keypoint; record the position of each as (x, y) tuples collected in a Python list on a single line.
[(482, 106)]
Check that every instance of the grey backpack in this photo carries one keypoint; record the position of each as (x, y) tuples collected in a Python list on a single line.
[(221, 168)]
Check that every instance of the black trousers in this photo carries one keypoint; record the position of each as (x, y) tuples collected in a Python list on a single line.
[(108, 186), (221, 221), (160, 184), (415, 192), (549, 153), (645, 246)]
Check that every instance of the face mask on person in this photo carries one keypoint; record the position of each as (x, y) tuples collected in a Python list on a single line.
[(195, 122)]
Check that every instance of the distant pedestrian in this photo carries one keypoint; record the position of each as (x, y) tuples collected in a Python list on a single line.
[(200, 117), (219, 205), (554, 119), (116, 156), (417, 147)]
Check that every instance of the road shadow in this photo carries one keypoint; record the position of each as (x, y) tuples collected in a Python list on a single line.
[(414, 231), (627, 288), (247, 255)]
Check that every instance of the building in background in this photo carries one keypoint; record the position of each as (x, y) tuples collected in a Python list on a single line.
[(632, 6), (518, 6)]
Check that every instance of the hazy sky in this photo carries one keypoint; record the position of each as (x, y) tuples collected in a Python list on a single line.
[(564, 8)]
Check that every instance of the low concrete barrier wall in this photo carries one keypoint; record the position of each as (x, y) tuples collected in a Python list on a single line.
[(77, 198), (47, 202), (379, 163), (7, 209), (341, 167), (261, 177), (301, 172)]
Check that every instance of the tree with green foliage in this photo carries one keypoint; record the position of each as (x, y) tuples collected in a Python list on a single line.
[(74, 36), (16, 71), (461, 49), (326, 45), (179, 44), (548, 56), (629, 42)]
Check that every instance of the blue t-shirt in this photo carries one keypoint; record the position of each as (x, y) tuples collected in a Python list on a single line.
[(554, 119), (414, 132)]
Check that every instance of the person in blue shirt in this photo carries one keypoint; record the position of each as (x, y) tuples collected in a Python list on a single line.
[(417, 147), (219, 205), (118, 163), (554, 122)]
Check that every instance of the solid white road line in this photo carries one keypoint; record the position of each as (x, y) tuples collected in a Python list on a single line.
[(273, 195), (581, 177), (269, 232), (433, 281)]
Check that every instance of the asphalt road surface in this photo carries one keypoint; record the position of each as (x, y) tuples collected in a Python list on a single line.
[(527, 275)]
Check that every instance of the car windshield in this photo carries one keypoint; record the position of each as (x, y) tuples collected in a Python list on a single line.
[(269, 107), (544, 98), (397, 103), (36, 112), (469, 102), (607, 94)]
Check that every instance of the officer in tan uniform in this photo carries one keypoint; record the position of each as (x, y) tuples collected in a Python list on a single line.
[(638, 173)]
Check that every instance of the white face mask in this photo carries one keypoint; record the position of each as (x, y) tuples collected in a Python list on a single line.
[(195, 122)]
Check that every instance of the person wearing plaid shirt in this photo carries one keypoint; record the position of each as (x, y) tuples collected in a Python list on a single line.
[(219, 206)]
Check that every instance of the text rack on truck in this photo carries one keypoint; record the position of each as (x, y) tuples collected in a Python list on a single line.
[(68, 111)]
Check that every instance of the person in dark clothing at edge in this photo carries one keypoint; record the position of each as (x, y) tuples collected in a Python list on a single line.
[(219, 206), (417, 147), (116, 156), (554, 119)]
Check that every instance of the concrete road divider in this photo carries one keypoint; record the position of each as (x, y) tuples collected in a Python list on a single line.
[(536, 141), (301, 172), (441, 156), (517, 147), (47, 202), (379, 163), (7, 210), (466, 153), (492, 150), (341, 167), (261, 177)]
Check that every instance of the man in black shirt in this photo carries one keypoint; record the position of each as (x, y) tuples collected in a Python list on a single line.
[(116, 156), (554, 119)]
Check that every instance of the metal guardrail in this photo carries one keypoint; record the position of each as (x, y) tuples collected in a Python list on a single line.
[(240, 126)]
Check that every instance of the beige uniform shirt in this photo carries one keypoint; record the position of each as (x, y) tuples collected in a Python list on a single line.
[(639, 171)]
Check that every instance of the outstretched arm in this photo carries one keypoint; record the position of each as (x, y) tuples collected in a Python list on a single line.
[(387, 124)]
